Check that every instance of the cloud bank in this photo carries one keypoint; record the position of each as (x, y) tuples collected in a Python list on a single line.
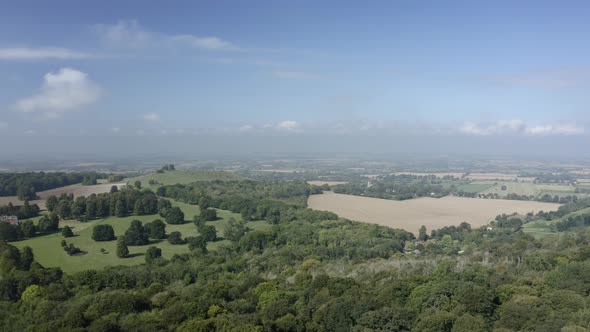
[(66, 90)]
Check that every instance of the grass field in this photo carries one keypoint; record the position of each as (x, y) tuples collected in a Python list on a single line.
[(182, 177), (431, 212), (525, 188), (48, 251)]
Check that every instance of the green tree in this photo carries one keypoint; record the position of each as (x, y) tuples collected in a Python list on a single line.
[(26, 258), (209, 233), (67, 232), (422, 236), (175, 216), (28, 229), (136, 234), (235, 230), (137, 184), (175, 238), (122, 249), (51, 203), (152, 254), (103, 232), (156, 229)]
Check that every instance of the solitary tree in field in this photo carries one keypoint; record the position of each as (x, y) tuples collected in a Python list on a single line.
[(175, 238), (137, 184), (103, 233), (67, 232), (122, 249), (175, 216)]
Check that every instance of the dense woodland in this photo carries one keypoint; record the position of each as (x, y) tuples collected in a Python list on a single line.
[(314, 272), (26, 185)]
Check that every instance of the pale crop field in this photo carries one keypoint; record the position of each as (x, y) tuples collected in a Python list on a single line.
[(432, 212)]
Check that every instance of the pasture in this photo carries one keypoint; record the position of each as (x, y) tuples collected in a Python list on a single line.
[(431, 212), (183, 177), (48, 251), (330, 183)]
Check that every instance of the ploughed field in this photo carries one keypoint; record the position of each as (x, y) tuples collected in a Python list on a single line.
[(432, 212)]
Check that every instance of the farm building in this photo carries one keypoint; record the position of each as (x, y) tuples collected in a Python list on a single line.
[(13, 220)]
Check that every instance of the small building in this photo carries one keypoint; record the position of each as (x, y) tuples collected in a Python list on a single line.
[(13, 220)]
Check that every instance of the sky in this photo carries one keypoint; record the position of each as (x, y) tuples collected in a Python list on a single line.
[(379, 76)]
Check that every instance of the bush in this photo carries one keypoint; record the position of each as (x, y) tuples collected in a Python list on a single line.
[(103, 233), (176, 238), (175, 216), (67, 232), (152, 254)]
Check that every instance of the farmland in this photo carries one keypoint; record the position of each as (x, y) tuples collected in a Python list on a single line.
[(182, 176), (431, 212), (49, 253)]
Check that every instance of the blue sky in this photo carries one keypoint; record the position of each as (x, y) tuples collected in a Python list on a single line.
[(188, 68)]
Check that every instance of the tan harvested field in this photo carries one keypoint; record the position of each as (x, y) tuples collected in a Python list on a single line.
[(438, 175), (431, 212), (76, 189), (330, 183)]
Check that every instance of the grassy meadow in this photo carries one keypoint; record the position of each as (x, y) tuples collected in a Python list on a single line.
[(49, 253), (182, 177)]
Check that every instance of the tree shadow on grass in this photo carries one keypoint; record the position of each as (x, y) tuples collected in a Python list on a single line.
[(135, 255)]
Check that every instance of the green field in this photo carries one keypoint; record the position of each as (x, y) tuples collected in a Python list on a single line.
[(182, 177), (48, 251), (525, 188), (538, 229), (474, 187)]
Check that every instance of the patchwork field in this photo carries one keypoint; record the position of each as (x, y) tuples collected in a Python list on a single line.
[(48, 251), (526, 188), (431, 212), (76, 189)]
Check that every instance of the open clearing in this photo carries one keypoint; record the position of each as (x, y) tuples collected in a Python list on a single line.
[(48, 251), (438, 175), (183, 177), (76, 189), (431, 212)]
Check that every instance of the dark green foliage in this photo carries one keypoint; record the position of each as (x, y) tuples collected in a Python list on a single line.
[(25, 185), (235, 230), (152, 254), (136, 234), (24, 211), (67, 232), (49, 224), (27, 229), (175, 238), (156, 229), (103, 232), (122, 250), (175, 216), (208, 233)]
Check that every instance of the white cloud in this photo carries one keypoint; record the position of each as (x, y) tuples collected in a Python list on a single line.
[(564, 129), (518, 127), (65, 90), (245, 128), (548, 78), (296, 74), (43, 53), (30, 132), (115, 129), (129, 34), (211, 43), (151, 117), (3, 124), (288, 125)]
